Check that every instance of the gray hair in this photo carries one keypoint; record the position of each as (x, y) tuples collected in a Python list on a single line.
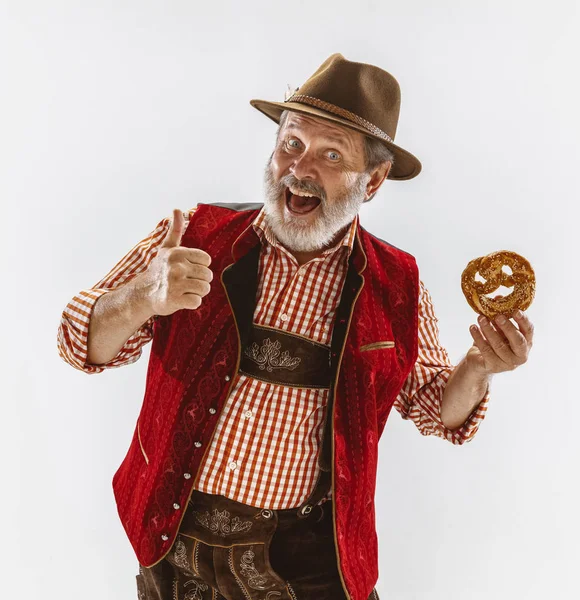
[(376, 152)]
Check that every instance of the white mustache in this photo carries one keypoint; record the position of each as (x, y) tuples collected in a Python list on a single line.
[(301, 188)]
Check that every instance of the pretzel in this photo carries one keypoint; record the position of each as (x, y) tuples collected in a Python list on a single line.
[(490, 267)]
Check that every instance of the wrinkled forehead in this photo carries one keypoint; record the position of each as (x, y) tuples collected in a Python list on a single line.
[(319, 127)]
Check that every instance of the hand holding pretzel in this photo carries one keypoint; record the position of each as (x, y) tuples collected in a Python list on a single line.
[(499, 346)]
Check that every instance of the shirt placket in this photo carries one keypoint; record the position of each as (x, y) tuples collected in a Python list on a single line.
[(288, 305)]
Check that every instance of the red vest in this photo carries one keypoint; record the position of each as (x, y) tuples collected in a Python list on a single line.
[(192, 367)]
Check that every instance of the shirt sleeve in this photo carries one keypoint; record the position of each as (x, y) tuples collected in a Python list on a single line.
[(73, 329), (421, 395)]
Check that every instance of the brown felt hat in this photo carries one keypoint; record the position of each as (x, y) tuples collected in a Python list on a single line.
[(357, 95)]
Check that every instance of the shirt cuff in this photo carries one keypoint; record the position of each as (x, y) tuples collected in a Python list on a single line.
[(74, 329), (468, 429)]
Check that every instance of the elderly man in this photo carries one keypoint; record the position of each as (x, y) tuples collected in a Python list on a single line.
[(282, 335)]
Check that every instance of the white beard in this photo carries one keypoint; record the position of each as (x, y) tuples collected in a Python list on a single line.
[(299, 235)]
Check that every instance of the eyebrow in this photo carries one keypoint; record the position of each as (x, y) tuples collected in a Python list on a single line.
[(326, 137)]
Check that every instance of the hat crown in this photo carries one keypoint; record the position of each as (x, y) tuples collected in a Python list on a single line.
[(362, 89)]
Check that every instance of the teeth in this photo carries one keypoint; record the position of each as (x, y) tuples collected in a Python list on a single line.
[(296, 193)]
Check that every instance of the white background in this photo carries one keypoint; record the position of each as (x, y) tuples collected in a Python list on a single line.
[(114, 112)]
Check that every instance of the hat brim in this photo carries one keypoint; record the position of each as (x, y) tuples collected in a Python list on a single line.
[(406, 166)]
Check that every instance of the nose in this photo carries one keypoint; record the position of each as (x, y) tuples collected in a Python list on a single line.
[(304, 167)]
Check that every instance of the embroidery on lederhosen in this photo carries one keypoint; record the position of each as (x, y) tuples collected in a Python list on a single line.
[(255, 580), (269, 595), (269, 356), (283, 358), (180, 558), (219, 522), (196, 592)]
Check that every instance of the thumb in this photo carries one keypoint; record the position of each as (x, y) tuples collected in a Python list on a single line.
[(173, 237)]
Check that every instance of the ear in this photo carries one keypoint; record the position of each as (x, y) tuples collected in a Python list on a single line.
[(377, 177)]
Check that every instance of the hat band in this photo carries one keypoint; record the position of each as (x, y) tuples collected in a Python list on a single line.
[(341, 112)]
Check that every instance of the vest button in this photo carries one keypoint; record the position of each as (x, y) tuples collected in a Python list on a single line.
[(164, 537), (266, 513), (227, 377), (187, 475), (176, 506), (306, 509), (212, 410), (197, 444)]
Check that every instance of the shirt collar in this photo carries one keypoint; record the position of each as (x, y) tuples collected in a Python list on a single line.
[(266, 234)]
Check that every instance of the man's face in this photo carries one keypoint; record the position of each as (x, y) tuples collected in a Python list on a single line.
[(316, 157)]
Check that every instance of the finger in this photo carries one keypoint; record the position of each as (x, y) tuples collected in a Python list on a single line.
[(198, 272), (191, 301), (497, 341), (490, 357), (525, 325), (491, 327), (517, 341), (197, 256), (190, 256), (196, 286), (173, 237)]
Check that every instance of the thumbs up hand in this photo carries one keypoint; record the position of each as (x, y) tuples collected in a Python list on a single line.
[(177, 277)]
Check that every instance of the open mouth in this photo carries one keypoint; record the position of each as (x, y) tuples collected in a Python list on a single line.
[(300, 205)]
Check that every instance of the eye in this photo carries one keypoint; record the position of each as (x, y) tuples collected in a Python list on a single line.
[(289, 142), (336, 154)]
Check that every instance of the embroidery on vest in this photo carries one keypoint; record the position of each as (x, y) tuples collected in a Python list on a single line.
[(269, 356), (219, 522), (255, 580)]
